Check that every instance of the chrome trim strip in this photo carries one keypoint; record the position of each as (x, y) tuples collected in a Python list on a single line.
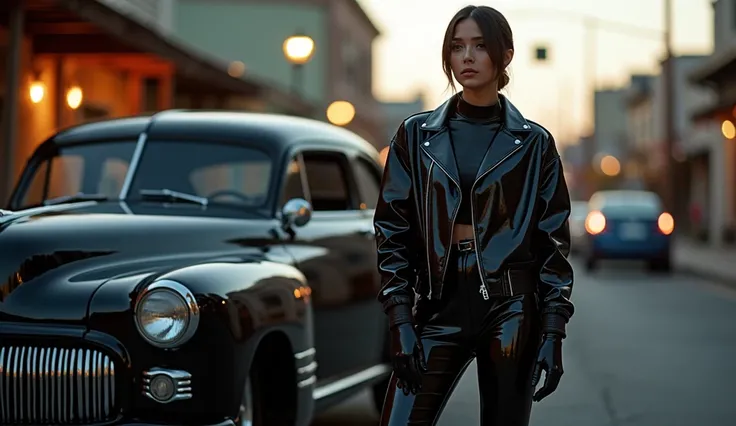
[(182, 380), (307, 382), (124, 206), (304, 354), (137, 154), (45, 209), (350, 381), (309, 368), (303, 177)]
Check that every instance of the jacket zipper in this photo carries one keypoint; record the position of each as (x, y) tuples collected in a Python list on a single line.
[(452, 221), (472, 219)]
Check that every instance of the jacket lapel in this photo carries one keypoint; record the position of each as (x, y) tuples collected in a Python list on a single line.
[(438, 146), (510, 138)]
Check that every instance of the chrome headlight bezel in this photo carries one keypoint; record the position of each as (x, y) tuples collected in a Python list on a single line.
[(187, 297)]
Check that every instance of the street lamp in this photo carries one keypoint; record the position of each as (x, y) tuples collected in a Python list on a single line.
[(728, 129), (37, 91), (610, 166), (74, 97), (340, 113), (298, 50)]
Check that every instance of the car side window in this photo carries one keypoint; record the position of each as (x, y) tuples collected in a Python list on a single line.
[(368, 180), (327, 181), (293, 187)]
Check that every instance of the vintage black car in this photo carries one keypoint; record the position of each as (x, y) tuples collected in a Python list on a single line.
[(191, 268)]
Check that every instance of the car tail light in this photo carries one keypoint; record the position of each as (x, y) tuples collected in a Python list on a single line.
[(666, 223), (595, 223)]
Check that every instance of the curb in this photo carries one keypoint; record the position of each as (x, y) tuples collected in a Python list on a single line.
[(723, 279)]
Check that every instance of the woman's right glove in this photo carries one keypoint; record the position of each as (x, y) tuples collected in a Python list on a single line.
[(408, 358)]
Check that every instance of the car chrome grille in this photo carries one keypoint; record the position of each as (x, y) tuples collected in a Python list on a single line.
[(49, 385)]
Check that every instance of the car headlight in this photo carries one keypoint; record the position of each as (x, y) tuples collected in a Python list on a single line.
[(166, 314)]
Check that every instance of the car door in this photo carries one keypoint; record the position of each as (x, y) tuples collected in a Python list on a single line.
[(367, 178), (332, 251)]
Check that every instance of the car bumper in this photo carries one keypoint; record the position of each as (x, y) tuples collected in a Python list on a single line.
[(612, 247)]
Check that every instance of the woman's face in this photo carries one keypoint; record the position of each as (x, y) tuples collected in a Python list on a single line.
[(471, 65)]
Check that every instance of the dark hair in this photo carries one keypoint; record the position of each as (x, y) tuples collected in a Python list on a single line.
[(496, 34)]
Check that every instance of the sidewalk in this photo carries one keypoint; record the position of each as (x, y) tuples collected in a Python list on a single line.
[(704, 260)]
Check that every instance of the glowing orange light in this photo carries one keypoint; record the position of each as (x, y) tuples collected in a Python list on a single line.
[(595, 223), (666, 223)]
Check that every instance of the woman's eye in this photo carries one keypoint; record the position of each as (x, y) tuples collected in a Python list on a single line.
[(481, 46), (457, 47)]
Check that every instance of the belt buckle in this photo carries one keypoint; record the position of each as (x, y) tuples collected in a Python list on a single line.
[(464, 246)]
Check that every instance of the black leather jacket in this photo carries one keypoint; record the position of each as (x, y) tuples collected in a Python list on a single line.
[(520, 206)]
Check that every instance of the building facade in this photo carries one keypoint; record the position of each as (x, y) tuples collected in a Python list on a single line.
[(717, 74), (697, 145), (66, 62), (253, 32)]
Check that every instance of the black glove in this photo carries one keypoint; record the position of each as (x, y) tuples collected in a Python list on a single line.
[(408, 358), (549, 359)]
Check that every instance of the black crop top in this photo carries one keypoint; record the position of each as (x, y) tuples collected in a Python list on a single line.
[(472, 129)]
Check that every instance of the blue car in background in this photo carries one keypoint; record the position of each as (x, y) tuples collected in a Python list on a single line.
[(628, 225)]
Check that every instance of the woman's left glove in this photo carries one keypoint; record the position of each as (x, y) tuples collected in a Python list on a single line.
[(408, 358), (549, 359)]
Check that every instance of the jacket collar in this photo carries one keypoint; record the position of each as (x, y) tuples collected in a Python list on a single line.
[(512, 118)]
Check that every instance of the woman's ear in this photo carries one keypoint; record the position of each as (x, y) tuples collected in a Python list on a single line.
[(508, 56)]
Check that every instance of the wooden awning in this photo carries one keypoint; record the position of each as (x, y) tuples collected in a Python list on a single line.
[(717, 68), (717, 110), (90, 26)]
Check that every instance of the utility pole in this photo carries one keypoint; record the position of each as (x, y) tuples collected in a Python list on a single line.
[(590, 69), (592, 26), (669, 118)]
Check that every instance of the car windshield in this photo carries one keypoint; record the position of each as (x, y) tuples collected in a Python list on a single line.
[(168, 171), (97, 169), (221, 173)]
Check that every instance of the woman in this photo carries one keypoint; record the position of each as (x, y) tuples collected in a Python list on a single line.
[(472, 223)]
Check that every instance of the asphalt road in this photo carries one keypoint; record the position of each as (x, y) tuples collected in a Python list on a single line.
[(642, 350)]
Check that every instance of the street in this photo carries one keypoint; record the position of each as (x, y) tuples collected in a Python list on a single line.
[(642, 350)]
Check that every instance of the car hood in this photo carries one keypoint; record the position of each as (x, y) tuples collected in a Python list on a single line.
[(52, 262)]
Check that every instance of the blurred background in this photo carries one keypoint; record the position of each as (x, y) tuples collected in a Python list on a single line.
[(639, 94)]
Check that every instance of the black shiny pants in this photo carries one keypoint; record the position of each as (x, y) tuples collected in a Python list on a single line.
[(501, 333)]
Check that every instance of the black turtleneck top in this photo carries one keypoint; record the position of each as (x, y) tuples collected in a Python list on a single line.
[(472, 129)]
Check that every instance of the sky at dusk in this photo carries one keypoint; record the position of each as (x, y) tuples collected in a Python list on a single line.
[(407, 54)]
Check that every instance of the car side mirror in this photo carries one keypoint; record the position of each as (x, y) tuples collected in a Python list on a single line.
[(296, 213)]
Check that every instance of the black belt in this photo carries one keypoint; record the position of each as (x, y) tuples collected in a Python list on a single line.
[(518, 278), (465, 245)]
